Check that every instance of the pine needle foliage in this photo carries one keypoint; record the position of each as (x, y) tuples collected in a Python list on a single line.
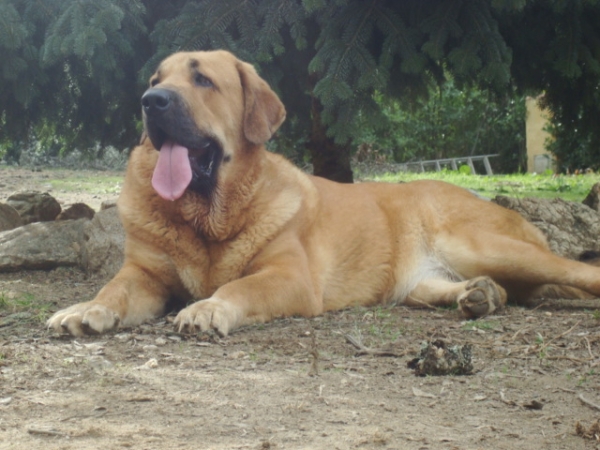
[(556, 48), (76, 68), (71, 68)]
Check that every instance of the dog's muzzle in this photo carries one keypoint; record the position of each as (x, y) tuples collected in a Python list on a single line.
[(188, 159)]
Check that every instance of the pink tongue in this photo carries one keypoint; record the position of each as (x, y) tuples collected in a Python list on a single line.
[(172, 173)]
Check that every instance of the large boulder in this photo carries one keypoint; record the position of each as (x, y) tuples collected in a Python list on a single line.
[(593, 198), (35, 206), (41, 245), (9, 217), (96, 245), (571, 228), (104, 237)]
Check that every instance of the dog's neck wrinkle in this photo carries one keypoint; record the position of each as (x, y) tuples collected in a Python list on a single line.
[(220, 217)]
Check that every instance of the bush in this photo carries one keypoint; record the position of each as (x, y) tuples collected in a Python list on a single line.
[(453, 122)]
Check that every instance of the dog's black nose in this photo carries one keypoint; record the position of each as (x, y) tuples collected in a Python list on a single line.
[(156, 100)]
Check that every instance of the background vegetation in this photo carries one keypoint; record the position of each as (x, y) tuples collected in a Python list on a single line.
[(567, 187), (412, 77), (451, 122)]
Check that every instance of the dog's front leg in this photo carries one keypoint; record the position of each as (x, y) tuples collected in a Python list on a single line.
[(131, 297), (274, 291)]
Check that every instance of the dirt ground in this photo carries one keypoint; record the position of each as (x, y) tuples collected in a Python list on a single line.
[(293, 383)]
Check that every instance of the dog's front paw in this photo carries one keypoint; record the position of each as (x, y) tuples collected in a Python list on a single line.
[(220, 315), (84, 319)]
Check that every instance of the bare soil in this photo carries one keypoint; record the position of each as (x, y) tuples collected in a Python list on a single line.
[(293, 383)]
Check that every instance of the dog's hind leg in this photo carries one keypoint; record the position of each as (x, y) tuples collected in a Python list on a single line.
[(521, 267), (477, 297)]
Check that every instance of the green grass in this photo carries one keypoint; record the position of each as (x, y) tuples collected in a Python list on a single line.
[(23, 306), (568, 187), (480, 325), (100, 184)]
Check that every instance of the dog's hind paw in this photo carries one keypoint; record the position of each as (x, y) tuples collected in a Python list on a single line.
[(482, 296), (84, 319)]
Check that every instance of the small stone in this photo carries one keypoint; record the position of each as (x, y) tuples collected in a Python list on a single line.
[(99, 363), (97, 348), (123, 337), (150, 364)]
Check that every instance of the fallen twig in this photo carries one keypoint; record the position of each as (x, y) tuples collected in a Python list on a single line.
[(362, 350), (45, 432), (589, 347), (569, 358), (567, 390), (545, 345), (539, 306), (98, 412), (589, 403), (314, 353), (505, 400), (518, 332)]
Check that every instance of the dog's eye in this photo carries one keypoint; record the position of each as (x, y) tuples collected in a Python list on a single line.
[(203, 81), (154, 82)]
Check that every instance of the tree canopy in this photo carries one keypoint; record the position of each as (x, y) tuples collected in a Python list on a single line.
[(76, 68)]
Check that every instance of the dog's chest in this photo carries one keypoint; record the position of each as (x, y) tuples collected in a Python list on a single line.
[(211, 266)]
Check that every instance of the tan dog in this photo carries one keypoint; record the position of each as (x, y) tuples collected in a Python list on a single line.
[(210, 215)]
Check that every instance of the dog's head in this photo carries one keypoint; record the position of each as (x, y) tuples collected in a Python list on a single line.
[(203, 112)]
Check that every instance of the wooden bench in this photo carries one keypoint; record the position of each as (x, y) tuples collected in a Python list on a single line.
[(454, 163)]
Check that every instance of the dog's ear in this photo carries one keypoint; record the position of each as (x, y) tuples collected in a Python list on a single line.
[(263, 111)]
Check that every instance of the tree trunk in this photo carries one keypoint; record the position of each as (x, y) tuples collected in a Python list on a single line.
[(330, 160)]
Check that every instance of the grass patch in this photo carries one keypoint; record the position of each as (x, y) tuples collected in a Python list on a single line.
[(568, 187), (94, 184), (22, 306), (480, 325)]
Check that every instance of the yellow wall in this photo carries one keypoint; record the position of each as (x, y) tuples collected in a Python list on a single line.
[(537, 156)]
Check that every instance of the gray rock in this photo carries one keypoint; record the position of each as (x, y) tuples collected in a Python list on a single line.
[(104, 238), (76, 211), (35, 206), (571, 228), (42, 245), (106, 204), (9, 217), (593, 198), (96, 245)]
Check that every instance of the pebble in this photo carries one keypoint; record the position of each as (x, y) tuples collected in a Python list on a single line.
[(95, 347), (123, 337), (150, 364), (99, 363)]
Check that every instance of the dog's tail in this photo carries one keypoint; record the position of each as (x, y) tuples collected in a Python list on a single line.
[(555, 291)]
